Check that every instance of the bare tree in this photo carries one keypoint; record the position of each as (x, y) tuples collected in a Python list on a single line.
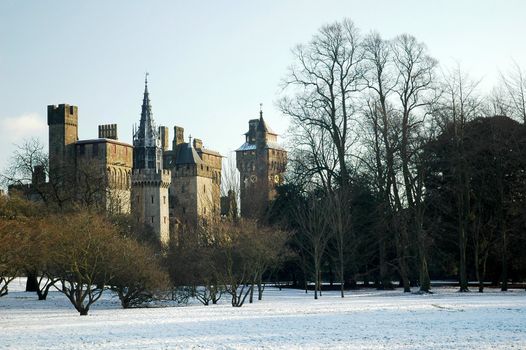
[(138, 276), (381, 140), (514, 82), (245, 250), (12, 245), (85, 250), (338, 214), (323, 81), (322, 103), (314, 234), (400, 79), (415, 91), (458, 105), (230, 188), (17, 223)]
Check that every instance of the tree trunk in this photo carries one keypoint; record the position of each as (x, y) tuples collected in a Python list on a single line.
[(385, 282), (260, 291), (316, 281), (402, 255), (320, 286), (462, 248), (462, 238), (251, 297), (504, 274), (425, 282), (477, 266), (342, 279), (32, 282)]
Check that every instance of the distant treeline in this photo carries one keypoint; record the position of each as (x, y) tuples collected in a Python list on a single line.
[(400, 170)]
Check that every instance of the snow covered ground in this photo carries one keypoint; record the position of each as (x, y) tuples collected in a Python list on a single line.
[(287, 319)]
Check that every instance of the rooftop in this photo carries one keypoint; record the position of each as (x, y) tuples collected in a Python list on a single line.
[(102, 140)]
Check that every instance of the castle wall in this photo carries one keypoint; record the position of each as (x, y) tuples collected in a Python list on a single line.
[(112, 160)]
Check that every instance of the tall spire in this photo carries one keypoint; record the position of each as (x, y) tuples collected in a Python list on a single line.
[(146, 137), (146, 134), (261, 125), (146, 83)]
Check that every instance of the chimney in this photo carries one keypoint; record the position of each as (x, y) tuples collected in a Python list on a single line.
[(108, 131), (178, 136), (163, 133), (198, 144)]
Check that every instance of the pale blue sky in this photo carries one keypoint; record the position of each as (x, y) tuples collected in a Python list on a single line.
[(211, 62)]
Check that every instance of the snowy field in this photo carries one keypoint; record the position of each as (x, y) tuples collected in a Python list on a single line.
[(287, 319)]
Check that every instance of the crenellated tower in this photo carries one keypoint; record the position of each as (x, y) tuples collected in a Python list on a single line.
[(63, 134), (150, 182)]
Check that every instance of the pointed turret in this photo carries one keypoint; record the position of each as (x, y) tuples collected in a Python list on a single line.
[(261, 125), (150, 181), (146, 141)]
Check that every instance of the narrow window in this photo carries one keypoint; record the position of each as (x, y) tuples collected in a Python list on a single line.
[(164, 200), (152, 199), (152, 219)]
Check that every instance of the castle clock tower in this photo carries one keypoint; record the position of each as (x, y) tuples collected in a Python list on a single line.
[(261, 162)]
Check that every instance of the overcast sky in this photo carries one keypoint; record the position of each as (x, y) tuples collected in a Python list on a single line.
[(210, 62)]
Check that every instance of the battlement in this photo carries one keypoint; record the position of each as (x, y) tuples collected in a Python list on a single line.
[(108, 131), (62, 114), (151, 172), (151, 177)]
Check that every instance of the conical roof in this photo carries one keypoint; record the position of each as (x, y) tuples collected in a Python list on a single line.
[(186, 154)]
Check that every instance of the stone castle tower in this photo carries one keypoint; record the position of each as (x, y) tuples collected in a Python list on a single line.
[(195, 188), (150, 181), (63, 134), (94, 171), (261, 162)]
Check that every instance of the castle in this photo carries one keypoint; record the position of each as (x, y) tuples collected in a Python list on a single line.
[(172, 190)]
